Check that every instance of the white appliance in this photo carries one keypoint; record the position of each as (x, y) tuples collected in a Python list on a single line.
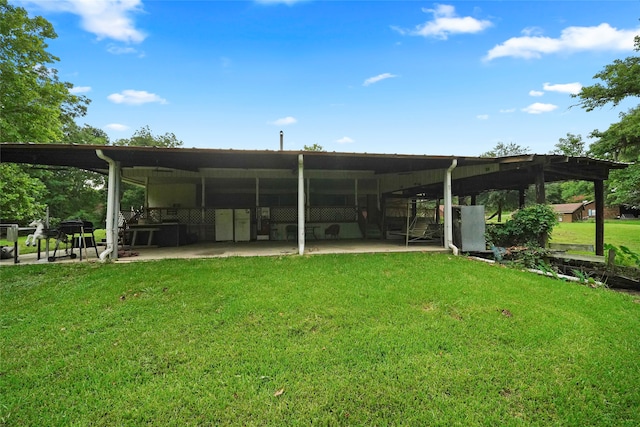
[(224, 224), (242, 225)]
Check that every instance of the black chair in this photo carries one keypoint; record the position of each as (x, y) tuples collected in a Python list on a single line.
[(291, 230), (332, 231)]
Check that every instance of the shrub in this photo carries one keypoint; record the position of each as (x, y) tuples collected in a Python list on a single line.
[(530, 226)]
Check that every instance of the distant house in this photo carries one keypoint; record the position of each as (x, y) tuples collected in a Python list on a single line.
[(574, 212)]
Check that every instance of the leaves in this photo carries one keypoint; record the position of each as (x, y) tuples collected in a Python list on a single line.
[(35, 103)]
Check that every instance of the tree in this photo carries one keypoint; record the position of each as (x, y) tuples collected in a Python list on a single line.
[(502, 150), (621, 141), (34, 103), (314, 147), (143, 137), (624, 186), (572, 145), (21, 196), (620, 81)]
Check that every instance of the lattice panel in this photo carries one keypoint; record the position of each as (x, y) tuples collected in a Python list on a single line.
[(284, 214)]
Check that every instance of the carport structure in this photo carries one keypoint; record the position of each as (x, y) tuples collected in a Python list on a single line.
[(302, 187)]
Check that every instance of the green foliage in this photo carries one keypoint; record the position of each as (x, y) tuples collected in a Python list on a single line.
[(624, 255), (502, 150), (132, 197), (369, 339), (572, 145), (21, 196), (624, 186), (35, 104), (143, 137), (621, 141), (87, 134), (314, 147), (527, 227), (620, 80)]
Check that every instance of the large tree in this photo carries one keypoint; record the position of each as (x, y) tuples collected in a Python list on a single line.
[(621, 141), (35, 106), (34, 103)]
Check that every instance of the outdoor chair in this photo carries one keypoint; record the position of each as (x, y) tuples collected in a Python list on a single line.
[(422, 230), (291, 230), (332, 231)]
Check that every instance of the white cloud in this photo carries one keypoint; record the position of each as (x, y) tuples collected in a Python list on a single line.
[(482, 117), (445, 23), (539, 108), (135, 97), (80, 89), (572, 39), (284, 121), (535, 93), (345, 140), (376, 79), (107, 19), (117, 127), (508, 110), (571, 88), (121, 50)]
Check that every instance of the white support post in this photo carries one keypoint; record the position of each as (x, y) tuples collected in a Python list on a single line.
[(300, 204), (113, 207), (448, 211)]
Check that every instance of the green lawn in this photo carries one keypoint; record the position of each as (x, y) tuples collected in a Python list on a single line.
[(377, 339), (616, 232)]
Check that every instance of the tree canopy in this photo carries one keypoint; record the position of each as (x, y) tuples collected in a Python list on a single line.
[(143, 137), (621, 141), (314, 147), (34, 103), (502, 150)]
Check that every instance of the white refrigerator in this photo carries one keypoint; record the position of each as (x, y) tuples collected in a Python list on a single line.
[(242, 225), (224, 225)]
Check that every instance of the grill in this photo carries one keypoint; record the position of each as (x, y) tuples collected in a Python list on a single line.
[(77, 232)]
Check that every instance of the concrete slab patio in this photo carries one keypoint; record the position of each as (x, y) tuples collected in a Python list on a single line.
[(242, 249)]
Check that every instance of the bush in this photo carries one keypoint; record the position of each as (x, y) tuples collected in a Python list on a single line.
[(530, 226)]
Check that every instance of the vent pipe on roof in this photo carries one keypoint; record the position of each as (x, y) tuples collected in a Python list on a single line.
[(281, 140)]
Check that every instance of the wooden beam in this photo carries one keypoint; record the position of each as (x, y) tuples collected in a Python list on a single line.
[(541, 197), (599, 190)]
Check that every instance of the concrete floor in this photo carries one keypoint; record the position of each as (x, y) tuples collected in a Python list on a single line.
[(229, 249)]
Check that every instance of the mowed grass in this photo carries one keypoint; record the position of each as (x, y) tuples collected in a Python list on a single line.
[(616, 232), (377, 339)]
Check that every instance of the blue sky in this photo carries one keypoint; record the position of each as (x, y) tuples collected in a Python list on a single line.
[(410, 77)]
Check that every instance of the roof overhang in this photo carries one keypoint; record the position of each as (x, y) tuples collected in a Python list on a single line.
[(513, 172)]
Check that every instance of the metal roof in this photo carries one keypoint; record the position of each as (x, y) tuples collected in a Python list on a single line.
[(514, 172)]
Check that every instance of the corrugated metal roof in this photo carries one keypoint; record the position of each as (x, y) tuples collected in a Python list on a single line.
[(514, 172)]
